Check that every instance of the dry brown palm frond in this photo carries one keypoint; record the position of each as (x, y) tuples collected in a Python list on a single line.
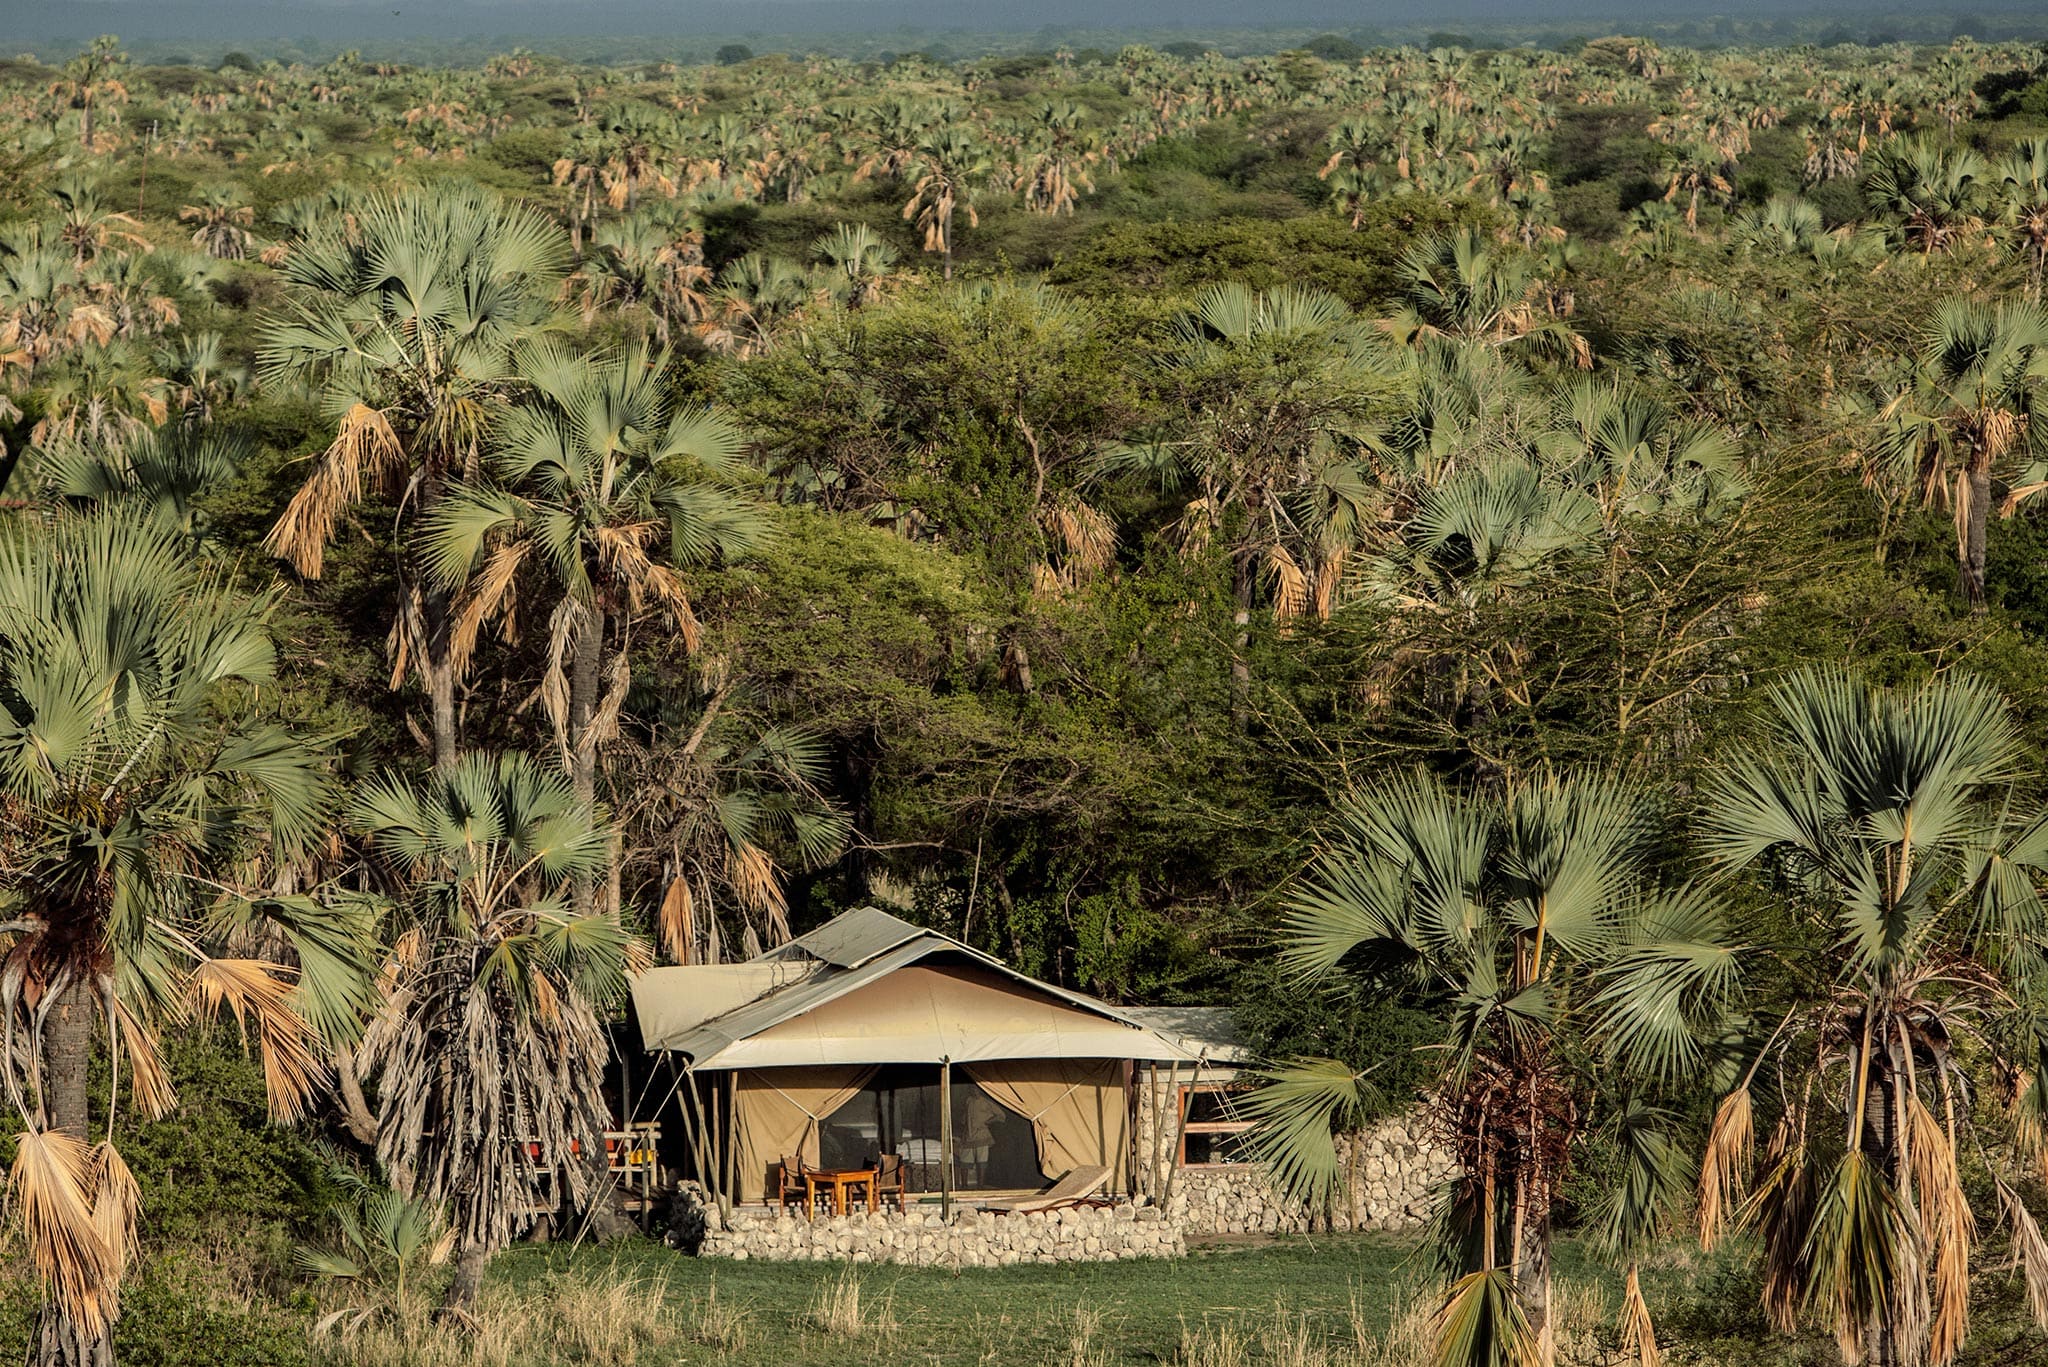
[(1781, 1207), (753, 877), (1996, 432), (1290, 584), (116, 1202), (604, 718), (1725, 1167), (1947, 1228), (564, 625), (673, 592), (1085, 536), (365, 452), (493, 596), (547, 1002), (259, 992), (676, 922), (1638, 1333), (2029, 1251), (51, 1186), (149, 1081), (1329, 575)]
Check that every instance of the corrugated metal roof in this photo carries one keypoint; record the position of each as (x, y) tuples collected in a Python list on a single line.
[(869, 946), (851, 938)]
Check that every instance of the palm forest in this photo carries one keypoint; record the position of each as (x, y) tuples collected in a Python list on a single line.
[(1524, 573)]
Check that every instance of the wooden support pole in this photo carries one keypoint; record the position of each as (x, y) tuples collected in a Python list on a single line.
[(946, 1139), (1180, 1125)]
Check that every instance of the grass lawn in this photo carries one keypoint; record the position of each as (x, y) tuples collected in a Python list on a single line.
[(794, 1314)]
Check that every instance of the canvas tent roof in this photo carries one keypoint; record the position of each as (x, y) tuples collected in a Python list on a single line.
[(820, 999), (1210, 1031)]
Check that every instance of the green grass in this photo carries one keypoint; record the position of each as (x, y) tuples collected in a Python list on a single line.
[(1024, 1314)]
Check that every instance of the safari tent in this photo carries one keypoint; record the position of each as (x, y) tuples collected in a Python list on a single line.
[(870, 1035)]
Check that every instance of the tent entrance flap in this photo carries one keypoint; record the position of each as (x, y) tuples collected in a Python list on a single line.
[(1078, 1108), (776, 1114)]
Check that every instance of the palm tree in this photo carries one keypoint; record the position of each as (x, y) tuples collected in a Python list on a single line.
[(1275, 391), (721, 805), (89, 79), (646, 262), (490, 1048), (2022, 192), (857, 260), (946, 164), (1569, 976), (1935, 190), (1973, 403), (408, 318), (1055, 174), (1463, 287), (223, 231), (145, 797), (1884, 824), (87, 225), (158, 475), (594, 472), (1637, 457)]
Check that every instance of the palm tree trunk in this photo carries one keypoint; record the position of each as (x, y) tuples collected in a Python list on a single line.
[(1970, 578), (67, 1059), (583, 687), (1532, 1274), (584, 671), (437, 621), (469, 1278), (437, 615)]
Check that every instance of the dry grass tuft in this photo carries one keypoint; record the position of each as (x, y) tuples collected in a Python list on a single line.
[(841, 1309), (718, 1324), (1082, 1349), (609, 1318), (1286, 1338)]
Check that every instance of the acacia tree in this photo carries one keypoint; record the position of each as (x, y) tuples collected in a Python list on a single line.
[(489, 1050), (1884, 823), (407, 318), (1535, 918), (143, 796)]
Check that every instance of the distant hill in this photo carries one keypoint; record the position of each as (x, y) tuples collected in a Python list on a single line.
[(615, 29)]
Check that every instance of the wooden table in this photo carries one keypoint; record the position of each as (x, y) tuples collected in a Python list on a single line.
[(839, 1180)]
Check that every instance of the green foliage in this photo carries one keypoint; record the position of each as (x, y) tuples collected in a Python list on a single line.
[(1178, 258), (221, 1164)]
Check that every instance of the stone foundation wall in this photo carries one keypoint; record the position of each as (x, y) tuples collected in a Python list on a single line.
[(1394, 1169), (974, 1239)]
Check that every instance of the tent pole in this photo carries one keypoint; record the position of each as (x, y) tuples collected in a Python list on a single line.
[(1180, 1126), (732, 1148), (945, 1138)]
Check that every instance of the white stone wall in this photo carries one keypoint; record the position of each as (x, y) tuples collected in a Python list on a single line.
[(973, 1239), (1394, 1170)]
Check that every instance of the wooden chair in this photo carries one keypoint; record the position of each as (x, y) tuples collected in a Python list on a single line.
[(888, 1182), (790, 1183)]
